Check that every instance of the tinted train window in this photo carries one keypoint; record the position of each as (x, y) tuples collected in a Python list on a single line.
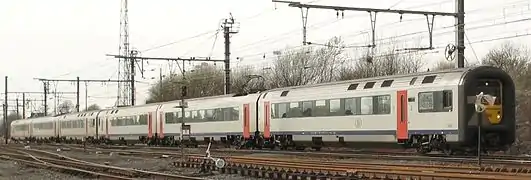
[(281, 110), (491, 87), (387, 83), (352, 86), (383, 105), (435, 101), (335, 107), (307, 107), (321, 108), (428, 79), (294, 110), (366, 105), (369, 85)]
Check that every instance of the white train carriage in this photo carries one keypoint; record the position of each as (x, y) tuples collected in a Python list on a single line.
[(20, 129), (45, 128), (77, 126), (225, 118), (374, 110), (138, 123)]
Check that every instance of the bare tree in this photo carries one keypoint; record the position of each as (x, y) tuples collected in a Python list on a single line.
[(443, 65), (390, 61), (308, 65), (11, 116), (204, 80), (66, 107)]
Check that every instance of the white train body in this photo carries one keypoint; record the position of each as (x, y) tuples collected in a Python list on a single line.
[(130, 123), (21, 129), (44, 127), (374, 109), (398, 109), (212, 118)]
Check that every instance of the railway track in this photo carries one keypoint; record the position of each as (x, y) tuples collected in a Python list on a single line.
[(513, 161), (290, 168), (47, 160), (274, 168)]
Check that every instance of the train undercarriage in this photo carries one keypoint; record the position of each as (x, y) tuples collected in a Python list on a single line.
[(423, 144)]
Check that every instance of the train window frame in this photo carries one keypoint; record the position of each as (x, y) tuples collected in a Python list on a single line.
[(429, 79), (422, 102), (412, 81), (387, 83), (442, 101), (352, 86), (284, 93), (307, 109), (334, 111), (369, 85), (447, 99)]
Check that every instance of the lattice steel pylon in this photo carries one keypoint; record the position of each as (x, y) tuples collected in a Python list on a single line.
[(124, 66)]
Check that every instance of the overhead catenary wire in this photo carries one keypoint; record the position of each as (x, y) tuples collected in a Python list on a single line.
[(261, 42)]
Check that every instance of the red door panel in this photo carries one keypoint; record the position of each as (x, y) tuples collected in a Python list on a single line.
[(161, 125), (150, 131), (246, 121), (401, 115), (267, 119)]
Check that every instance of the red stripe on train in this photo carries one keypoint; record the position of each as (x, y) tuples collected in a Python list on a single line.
[(161, 125), (150, 132), (246, 120), (267, 119)]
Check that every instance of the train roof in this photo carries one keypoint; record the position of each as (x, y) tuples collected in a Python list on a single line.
[(358, 83)]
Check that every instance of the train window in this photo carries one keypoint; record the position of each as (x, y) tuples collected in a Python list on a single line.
[(447, 99), (218, 114), (168, 118), (335, 107), (387, 83), (383, 104), (352, 86), (411, 99), (187, 116), (412, 81), (284, 93), (227, 114), (201, 115), (426, 101), (281, 110), (321, 108), (307, 107), (142, 119), (235, 113), (351, 106), (209, 114), (428, 79), (195, 117), (369, 85), (294, 110), (366, 106)]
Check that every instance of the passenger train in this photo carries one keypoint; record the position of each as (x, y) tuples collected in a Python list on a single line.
[(429, 111)]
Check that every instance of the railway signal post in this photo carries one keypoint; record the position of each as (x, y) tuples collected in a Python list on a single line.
[(480, 108)]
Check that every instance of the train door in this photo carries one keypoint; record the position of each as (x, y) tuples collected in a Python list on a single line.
[(401, 116), (150, 124), (246, 121)]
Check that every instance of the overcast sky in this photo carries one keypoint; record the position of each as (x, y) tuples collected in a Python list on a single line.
[(64, 38)]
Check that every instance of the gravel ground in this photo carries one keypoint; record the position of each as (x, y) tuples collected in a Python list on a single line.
[(10, 170), (164, 165)]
